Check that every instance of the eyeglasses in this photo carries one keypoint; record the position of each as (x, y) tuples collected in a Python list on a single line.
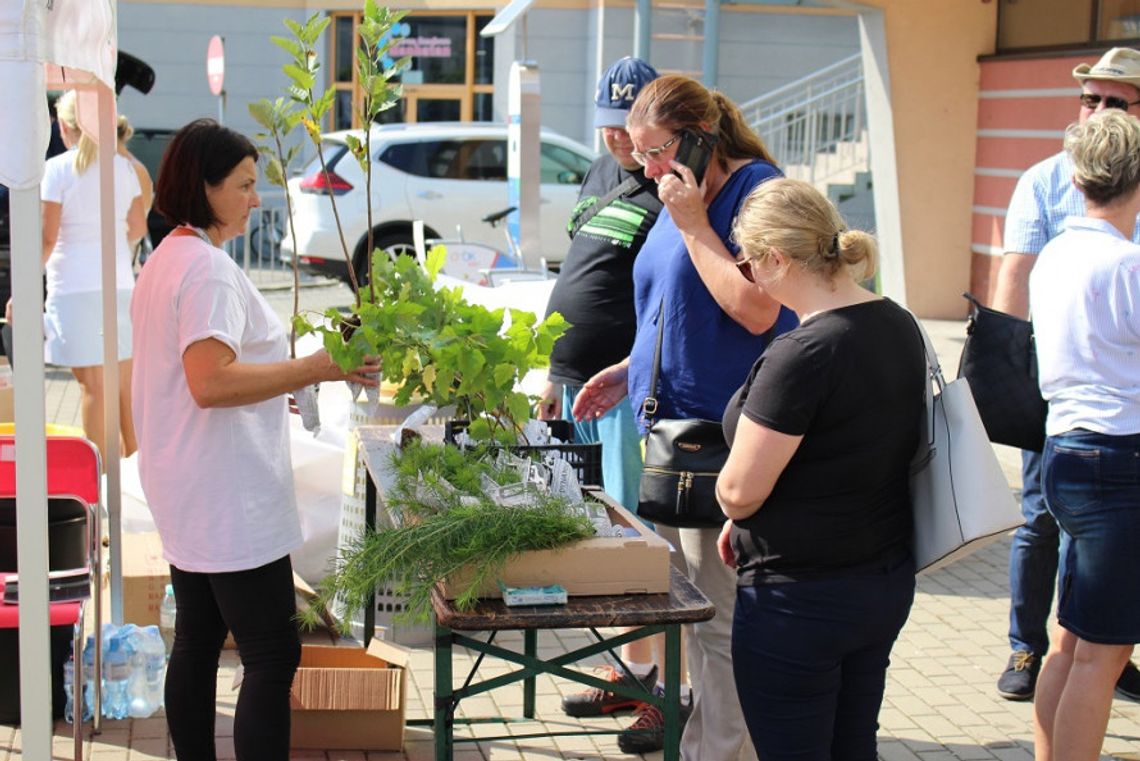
[(1092, 100), (644, 157), (745, 267)]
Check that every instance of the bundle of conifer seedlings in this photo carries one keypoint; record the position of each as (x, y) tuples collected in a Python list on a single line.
[(442, 520)]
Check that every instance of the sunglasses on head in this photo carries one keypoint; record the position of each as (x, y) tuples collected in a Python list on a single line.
[(1092, 100)]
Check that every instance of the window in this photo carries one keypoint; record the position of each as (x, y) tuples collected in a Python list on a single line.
[(450, 159), (450, 76), (562, 166), (1029, 24)]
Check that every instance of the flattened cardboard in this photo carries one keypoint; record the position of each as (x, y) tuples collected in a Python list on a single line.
[(348, 698), (601, 565)]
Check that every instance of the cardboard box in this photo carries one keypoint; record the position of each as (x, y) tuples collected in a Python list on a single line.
[(601, 565), (145, 576), (348, 698)]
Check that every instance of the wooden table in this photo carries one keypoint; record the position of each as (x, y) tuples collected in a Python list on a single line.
[(647, 614)]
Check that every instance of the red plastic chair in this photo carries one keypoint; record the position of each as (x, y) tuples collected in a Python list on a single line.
[(73, 472)]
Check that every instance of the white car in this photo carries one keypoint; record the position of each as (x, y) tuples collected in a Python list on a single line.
[(447, 174)]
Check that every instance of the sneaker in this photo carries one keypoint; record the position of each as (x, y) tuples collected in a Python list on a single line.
[(1128, 685), (596, 702), (647, 732), (1019, 680)]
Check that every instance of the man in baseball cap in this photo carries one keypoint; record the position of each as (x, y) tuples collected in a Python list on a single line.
[(618, 88), (1044, 197), (594, 292)]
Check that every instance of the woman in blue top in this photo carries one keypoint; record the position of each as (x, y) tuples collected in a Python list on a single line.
[(716, 325)]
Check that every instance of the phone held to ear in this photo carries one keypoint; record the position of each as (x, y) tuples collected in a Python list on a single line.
[(694, 151)]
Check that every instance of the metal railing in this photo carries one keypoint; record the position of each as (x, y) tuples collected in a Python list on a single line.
[(815, 127), (258, 251)]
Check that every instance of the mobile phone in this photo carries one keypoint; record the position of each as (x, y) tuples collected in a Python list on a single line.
[(695, 150)]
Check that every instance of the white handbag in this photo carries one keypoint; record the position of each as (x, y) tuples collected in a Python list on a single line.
[(960, 498)]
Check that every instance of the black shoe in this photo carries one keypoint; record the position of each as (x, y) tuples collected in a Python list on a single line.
[(647, 732), (595, 702), (1019, 680), (1128, 685)]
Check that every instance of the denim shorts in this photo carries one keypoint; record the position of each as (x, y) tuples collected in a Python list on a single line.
[(1091, 483)]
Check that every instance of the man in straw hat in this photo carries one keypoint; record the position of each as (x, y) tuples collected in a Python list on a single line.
[(1044, 197)]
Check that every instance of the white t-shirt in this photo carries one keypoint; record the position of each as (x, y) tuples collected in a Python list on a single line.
[(1084, 295), (219, 481), (75, 264)]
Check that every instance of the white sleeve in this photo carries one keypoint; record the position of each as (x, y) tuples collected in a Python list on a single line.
[(210, 307), (51, 186)]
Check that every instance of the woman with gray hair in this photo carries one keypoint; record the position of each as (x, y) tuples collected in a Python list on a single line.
[(1084, 295)]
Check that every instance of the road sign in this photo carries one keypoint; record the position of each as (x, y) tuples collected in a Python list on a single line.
[(216, 64)]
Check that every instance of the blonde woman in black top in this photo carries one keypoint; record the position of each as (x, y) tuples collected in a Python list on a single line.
[(816, 485)]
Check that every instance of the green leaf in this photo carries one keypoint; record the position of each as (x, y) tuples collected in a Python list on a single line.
[(519, 406), (504, 374), (300, 78), (262, 113), (436, 258), (274, 172)]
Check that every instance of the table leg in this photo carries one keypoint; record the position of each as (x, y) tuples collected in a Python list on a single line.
[(530, 649), (672, 709), (444, 721)]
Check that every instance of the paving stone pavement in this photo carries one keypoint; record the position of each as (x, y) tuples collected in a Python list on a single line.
[(940, 704)]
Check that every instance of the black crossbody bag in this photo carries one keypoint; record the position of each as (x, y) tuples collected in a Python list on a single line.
[(682, 461)]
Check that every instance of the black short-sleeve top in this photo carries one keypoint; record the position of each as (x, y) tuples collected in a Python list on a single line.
[(850, 381)]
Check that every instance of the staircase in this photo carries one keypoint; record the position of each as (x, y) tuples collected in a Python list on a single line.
[(816, 129)]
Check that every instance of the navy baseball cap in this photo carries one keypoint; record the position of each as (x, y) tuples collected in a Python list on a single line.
[(618, 88)]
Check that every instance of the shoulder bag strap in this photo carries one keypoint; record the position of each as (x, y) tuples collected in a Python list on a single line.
[(624, 189), (933, 374), (649, 406)]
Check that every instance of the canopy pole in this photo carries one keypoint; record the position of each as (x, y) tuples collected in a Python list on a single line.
[(31, 472), (108, 232)]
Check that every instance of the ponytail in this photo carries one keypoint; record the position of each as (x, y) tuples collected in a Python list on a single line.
[(737, 139)]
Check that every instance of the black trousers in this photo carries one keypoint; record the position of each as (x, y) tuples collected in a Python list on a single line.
[(258, 606)]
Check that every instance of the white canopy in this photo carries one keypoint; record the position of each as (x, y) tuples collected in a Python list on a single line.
[(72, 44)]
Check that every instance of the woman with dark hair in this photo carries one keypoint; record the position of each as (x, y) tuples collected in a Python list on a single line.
[(823, 433), (695, 145), (211, 375)]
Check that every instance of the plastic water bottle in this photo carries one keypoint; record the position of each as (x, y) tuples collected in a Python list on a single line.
[(91, 682), (154, 668), (69, 690), (139, 708), (166, 617), (116, 678)]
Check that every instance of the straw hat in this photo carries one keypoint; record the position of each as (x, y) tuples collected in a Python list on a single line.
[(1117, 65)]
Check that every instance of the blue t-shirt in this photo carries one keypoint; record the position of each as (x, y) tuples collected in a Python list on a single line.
[(705, 354)]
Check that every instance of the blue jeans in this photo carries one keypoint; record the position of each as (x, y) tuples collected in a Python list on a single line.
[(1033, 558), (621, 446), (810, 661), (1091, 483)]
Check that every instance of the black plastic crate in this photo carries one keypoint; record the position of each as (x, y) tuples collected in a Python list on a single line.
[(585, 458)]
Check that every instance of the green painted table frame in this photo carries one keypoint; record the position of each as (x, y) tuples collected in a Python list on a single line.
[(646, 615)]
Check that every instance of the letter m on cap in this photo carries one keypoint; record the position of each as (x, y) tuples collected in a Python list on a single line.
[(619, 92)]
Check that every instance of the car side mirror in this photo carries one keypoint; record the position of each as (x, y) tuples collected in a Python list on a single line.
[(569, 177)]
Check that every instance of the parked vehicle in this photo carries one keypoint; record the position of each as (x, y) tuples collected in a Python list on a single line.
[(447, 174)]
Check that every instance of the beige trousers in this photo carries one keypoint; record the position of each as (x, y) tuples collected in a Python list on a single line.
[(716, 729)]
